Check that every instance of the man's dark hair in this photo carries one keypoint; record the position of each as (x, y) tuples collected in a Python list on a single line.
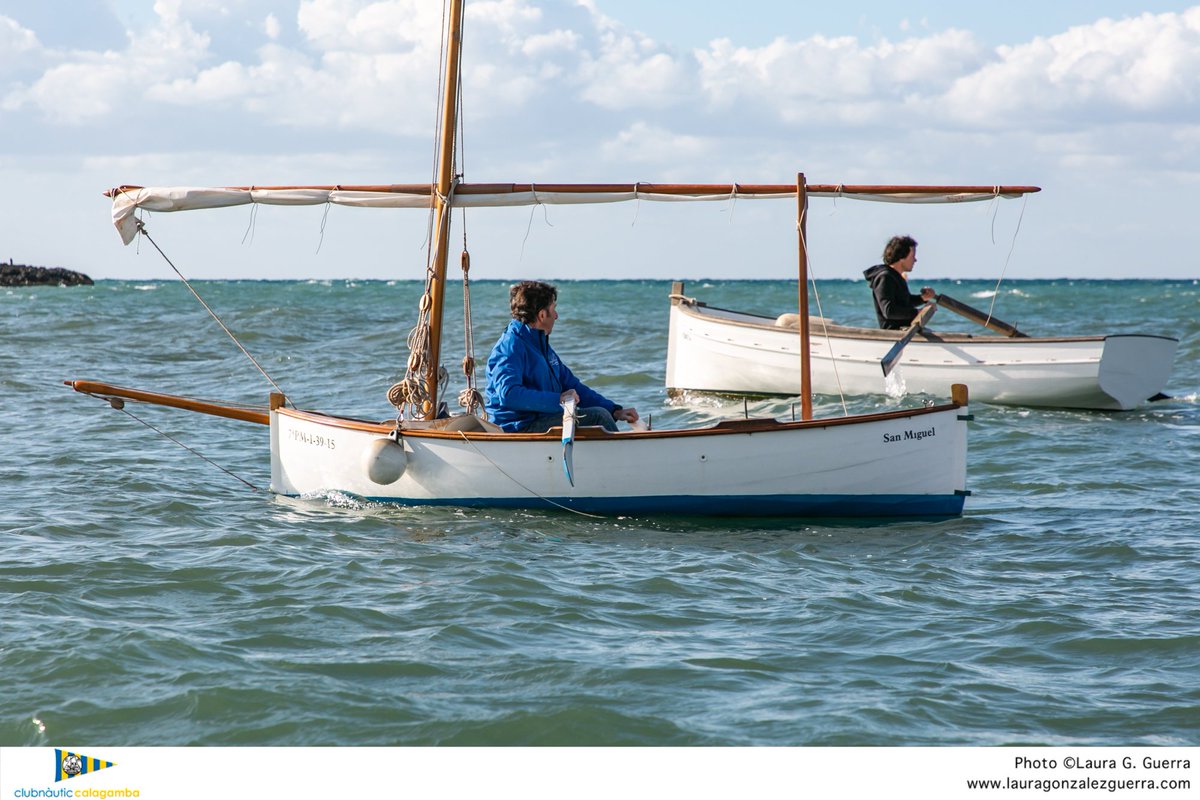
[(527, 298), (898, 247)]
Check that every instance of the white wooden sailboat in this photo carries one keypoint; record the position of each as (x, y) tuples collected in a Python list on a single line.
[(843, 466)]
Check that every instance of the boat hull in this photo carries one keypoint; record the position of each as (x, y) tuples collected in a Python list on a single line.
[(844, 467), (720, 351)]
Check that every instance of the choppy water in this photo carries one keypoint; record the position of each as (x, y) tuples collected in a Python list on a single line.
[(148, 598)]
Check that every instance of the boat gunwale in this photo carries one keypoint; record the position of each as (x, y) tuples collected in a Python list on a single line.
[(693, 308), (721, 428)]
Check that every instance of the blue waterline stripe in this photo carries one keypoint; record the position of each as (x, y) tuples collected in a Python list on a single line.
[(779, 505)]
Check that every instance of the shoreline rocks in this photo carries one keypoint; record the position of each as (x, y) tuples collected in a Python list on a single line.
[(24, 275)]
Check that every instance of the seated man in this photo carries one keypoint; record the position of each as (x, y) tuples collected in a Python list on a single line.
[(895, 306), (526, 380)]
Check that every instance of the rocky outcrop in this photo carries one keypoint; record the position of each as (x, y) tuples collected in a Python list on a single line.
[(22, 275)]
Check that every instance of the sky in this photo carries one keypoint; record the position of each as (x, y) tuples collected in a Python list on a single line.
[(1096, 102)]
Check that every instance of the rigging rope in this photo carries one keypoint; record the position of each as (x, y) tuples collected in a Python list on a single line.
[(251, 225), (411, 395), (1012, 245), (812, 278), (142, 230), (469, 398), (523, 486), (119, 404)]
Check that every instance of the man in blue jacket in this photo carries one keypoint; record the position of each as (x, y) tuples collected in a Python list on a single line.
[(526, 380)]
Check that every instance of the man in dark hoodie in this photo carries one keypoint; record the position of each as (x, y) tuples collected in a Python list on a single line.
[(526, 380), (895, 306)]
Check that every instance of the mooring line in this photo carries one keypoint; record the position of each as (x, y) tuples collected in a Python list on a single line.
[(523, 486), (119, 405)]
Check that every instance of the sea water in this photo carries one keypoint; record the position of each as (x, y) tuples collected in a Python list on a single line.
[(152, 592)]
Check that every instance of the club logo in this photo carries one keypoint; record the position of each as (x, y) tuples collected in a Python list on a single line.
[(72, 765)]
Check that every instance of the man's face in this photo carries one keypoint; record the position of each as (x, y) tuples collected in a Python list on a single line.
[(906, 264), (545, 318)]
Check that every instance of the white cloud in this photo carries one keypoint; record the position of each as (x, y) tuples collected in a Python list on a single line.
[(229, 80), (554, 42), (631, 71), (15, 41), (642, 143), (1147, 65), (833, 79), (352, 25), (76, 92), (84, 86), (370, 64)]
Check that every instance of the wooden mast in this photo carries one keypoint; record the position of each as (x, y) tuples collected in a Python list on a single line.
[(805, 366), (445, 179)]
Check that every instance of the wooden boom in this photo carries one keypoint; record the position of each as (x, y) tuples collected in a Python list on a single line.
[(110, 392)]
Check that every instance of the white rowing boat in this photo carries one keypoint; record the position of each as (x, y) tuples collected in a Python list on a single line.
[(732, 352)]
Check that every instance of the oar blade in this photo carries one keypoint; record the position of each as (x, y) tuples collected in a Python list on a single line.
[(889, 361), (568, 439)]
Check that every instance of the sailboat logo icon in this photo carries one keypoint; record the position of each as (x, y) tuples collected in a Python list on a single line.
[(72, 765)]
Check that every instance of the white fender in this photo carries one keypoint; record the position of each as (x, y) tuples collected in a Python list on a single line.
[(384, 461)]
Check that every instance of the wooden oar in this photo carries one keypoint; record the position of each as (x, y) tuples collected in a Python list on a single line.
[(889, 361), (975, 315)]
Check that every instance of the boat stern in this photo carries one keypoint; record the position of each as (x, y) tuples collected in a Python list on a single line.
[(1135, 368)]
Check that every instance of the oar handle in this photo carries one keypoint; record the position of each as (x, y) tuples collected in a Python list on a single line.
[(979, 317)]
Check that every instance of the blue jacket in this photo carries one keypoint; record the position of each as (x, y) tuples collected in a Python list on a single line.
[(525, 378)]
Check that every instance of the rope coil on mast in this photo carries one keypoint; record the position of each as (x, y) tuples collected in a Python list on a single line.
[(469, 398), (411, 395)]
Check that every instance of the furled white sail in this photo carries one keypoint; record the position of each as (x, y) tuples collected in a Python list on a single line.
[(128, 199)]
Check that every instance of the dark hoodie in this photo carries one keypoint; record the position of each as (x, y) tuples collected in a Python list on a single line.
[(895, 306)]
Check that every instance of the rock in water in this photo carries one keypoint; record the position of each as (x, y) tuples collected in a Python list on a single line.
[(22, 275)]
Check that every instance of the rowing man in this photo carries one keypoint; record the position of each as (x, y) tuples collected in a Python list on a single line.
[(895, 306)]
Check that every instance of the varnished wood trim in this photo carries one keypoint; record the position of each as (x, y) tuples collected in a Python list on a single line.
[(724, 427), (170, 400)]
